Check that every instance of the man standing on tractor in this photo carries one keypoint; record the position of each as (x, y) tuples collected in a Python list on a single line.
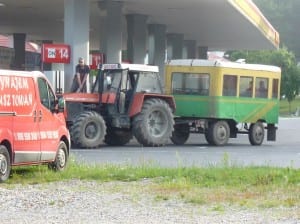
[(81, 76)]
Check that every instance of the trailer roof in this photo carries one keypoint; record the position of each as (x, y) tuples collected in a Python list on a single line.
[(218, 63)]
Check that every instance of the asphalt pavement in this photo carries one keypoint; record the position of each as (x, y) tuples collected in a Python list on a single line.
[(284, 152)]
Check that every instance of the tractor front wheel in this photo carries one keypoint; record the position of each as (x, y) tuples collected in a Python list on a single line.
[(88, 130)]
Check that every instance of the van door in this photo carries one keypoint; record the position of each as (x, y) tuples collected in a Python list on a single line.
[(6, 109), (49, 122), (26, 120)]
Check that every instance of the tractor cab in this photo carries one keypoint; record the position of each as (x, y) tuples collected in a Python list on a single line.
[(122, 82)]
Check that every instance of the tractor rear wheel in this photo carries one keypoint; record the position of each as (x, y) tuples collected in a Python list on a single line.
[(153, 126), (88, 130)]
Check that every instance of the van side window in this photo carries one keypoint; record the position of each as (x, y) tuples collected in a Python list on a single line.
[(229, 85), (47, 97)]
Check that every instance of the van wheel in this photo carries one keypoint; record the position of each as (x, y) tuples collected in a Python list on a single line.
[(153, 126), (218, 133), (61, 158), (256, 133), (88, 130), (180, 134), (5, 166)]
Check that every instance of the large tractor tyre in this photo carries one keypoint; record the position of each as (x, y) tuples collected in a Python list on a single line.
[(256, 133), (5, 165), (117, 137), (180, 134), (61, 158), (218, 133), (153, 126), (88, 130)]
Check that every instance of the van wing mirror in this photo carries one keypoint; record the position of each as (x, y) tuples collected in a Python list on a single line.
[(61, 104)]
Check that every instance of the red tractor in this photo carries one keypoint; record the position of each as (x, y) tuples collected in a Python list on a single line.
[(126, 100)]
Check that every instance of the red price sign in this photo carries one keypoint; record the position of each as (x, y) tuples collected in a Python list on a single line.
[(56, 53), (96, 59)]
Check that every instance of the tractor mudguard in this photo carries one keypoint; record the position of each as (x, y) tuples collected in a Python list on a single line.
[(139, 99)]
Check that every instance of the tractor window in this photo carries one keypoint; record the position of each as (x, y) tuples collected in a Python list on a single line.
[(149, 82), (115, 79), (125, 84), (113, 75)]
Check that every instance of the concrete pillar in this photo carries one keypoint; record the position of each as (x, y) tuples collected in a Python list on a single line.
[(47, 66), (76, 34), (136, 38), (157, 46), (189, 49), (19, 47), (175, 46), (202, 52), (111, 31)]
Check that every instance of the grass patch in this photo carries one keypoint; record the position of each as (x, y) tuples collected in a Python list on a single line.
[(284, 109), (262, 187)]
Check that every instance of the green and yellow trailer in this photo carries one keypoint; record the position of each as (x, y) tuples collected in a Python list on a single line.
[(222, 99)]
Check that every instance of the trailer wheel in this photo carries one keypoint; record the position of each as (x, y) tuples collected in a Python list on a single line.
[(88, 130), (180, 134), (153, 126), (208, 137), (5, 166), (218, 133), (61, 158), (256, 133), (117, 137)]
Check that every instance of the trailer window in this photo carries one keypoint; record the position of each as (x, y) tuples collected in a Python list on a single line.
[(229, 85), (246, 86), (275, 88), (261, 87), (192, 84)]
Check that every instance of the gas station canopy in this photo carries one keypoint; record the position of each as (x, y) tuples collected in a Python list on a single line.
[(216, 24)]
